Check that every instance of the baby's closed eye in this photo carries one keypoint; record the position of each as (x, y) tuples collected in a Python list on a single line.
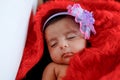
[(71, 36), (53, 43)]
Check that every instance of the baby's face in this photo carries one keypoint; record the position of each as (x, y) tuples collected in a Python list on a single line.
[(64, 40)]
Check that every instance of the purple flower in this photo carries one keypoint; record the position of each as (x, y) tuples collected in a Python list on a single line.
[(84, 18)]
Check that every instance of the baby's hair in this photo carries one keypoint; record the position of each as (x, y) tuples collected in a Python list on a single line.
[(57, 18)]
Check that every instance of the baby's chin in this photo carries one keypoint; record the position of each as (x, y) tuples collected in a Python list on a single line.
[(65, 62), (68, 60)]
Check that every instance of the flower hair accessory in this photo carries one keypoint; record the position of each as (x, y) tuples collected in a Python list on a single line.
[(84, 18)]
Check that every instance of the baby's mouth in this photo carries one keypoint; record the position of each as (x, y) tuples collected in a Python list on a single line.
[(67, 55)]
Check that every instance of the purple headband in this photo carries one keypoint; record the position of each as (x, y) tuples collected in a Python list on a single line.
[(83, 17)]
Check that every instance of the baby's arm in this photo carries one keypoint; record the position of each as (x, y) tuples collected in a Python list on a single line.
[(49, 72)]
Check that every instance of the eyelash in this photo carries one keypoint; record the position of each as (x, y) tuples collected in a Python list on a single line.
[(71, 37), (53, 45)]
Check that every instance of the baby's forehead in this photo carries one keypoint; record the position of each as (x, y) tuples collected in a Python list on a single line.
[(58, 18), (67, 22), (63, 26)]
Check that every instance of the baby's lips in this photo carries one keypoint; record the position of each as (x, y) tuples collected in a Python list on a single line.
[(67, 55)]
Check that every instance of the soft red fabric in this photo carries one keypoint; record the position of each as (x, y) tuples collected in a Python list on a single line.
[(33, 50), (100, 62)]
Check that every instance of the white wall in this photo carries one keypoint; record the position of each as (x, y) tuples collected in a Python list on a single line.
[(14, 18)]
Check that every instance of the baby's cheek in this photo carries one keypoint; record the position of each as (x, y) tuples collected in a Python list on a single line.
[(54, 58), (78, 48), (54, 55)]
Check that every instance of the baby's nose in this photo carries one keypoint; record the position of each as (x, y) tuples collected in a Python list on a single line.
[(63, 44)]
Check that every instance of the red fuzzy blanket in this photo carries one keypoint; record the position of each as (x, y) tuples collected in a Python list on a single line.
[(99, 62)]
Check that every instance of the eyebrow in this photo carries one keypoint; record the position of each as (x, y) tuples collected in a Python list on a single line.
[(53, 39), (72, 31)]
